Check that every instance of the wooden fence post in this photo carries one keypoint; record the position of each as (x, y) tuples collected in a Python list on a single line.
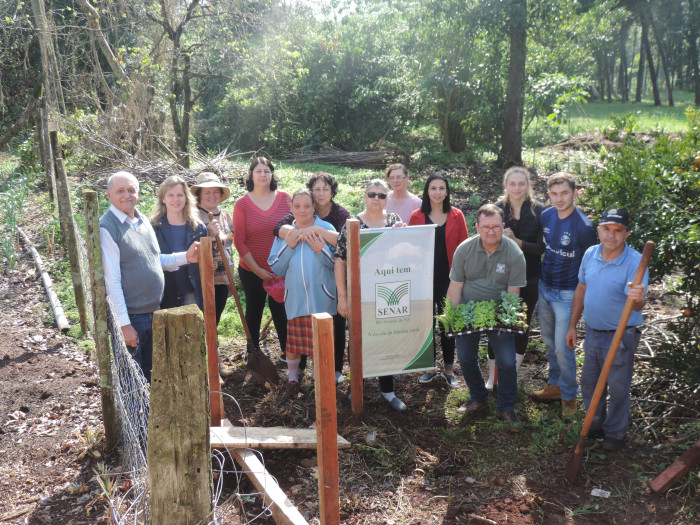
[(326, 419), (65, 213), (99, 308), (206, 273), (355, 315), (179, 455)]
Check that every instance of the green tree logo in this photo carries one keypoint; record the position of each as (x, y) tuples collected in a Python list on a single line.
[(392, 297)]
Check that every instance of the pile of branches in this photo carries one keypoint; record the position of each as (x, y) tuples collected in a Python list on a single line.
[(157, 171), (372, 159)]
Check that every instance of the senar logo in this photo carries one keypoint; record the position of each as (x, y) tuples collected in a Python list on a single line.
[(393, 299)]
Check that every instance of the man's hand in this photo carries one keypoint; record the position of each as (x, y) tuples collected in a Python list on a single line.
[(571, 336), (343, 306), (131, 338), (193, 253), (637, 292)]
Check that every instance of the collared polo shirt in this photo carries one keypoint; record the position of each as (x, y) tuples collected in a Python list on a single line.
[(485, 275), (606, 287)]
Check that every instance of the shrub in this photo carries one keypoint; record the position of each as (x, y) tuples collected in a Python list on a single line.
[(659, 184)]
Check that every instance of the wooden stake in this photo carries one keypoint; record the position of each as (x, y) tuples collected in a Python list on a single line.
[(326, 419), (179, 458), (206, 272), (355, 315), (65, 211), (677, 470), (99, 309), (42, 127)]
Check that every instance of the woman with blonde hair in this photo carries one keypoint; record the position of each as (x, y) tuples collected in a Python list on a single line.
[(176, 227), (522, 219)]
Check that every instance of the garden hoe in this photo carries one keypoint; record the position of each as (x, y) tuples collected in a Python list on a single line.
[(574, 465), (257, 363)]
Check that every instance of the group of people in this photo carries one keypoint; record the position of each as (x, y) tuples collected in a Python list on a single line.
[(293, 250)]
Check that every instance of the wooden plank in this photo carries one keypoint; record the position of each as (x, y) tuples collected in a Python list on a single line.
[(326, 419), (179, 451), (677, 470), (355, 316), (206, 273), (267, 437), (283, 510)]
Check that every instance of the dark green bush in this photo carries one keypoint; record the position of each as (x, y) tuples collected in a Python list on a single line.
[(659, 184)]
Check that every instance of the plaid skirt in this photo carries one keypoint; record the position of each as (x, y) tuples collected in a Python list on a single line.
[(300, 338)]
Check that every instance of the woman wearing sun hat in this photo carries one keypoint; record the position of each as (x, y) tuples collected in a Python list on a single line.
[(210, 192)]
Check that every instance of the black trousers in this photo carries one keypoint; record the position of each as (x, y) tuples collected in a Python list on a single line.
[(255, 296)]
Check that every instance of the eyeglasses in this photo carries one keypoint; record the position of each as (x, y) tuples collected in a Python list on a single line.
[(376, 195), (486, 229)]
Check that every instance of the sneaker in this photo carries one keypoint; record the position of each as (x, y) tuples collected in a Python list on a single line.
[(548, 393), (450, 380), (612, 444), (473, 407), (225, 371), (568, 409), (511, 417), (427, 377), (395, 403), (339, 377)]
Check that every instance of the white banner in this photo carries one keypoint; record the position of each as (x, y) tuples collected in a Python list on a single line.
[(397, 299)]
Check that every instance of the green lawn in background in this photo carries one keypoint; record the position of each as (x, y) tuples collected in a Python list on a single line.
[(596, 115)]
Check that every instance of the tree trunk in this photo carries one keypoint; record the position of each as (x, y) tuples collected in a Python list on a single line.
[(662, 54), (693, 45), (512, 138), (51, 78), (640, 68), (650, 59), (623, 76)]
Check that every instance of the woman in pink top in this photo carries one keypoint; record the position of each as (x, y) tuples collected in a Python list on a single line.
[(254, 217)]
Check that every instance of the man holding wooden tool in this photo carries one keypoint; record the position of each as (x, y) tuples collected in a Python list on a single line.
[(605, 283)]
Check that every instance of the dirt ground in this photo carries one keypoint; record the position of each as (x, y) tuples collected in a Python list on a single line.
[(428, 465)]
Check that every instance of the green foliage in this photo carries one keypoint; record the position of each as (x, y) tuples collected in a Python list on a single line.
[(658, 183), (15, 184), (484, 315)]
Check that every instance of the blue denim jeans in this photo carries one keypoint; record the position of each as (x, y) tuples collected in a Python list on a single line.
[(143, 353), (503, 344), (613, 411), (554, 313)]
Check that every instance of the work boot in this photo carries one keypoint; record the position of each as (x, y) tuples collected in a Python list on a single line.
[(548, 393), (568, 409)]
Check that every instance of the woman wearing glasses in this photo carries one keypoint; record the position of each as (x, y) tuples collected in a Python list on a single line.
[(450, 231), (373, 216)]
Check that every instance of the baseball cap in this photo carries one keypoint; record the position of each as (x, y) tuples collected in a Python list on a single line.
[(616, 216)]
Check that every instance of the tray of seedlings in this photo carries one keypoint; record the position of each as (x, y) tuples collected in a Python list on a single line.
[(508, 315)]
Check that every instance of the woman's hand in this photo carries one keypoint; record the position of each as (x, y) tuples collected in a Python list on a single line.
[(293, 238), (509, 233), (264, 274), (399, 224), (213, 228), (315, 241)]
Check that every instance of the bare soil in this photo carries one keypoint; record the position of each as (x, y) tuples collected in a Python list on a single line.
[(428, 465)]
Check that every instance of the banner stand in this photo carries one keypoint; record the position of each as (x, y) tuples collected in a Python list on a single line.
[(355, 316)]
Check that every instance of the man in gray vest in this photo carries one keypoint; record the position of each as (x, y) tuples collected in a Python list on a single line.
[(133, 266)]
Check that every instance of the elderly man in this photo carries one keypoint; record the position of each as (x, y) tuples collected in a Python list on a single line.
[(605, 283), (568, 233), (482, 267), (133, 266)]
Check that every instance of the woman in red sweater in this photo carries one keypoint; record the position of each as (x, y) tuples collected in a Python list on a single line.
[(450, 231), (254, 217)]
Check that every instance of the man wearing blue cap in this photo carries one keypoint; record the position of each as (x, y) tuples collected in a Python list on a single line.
[(605, 283)]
